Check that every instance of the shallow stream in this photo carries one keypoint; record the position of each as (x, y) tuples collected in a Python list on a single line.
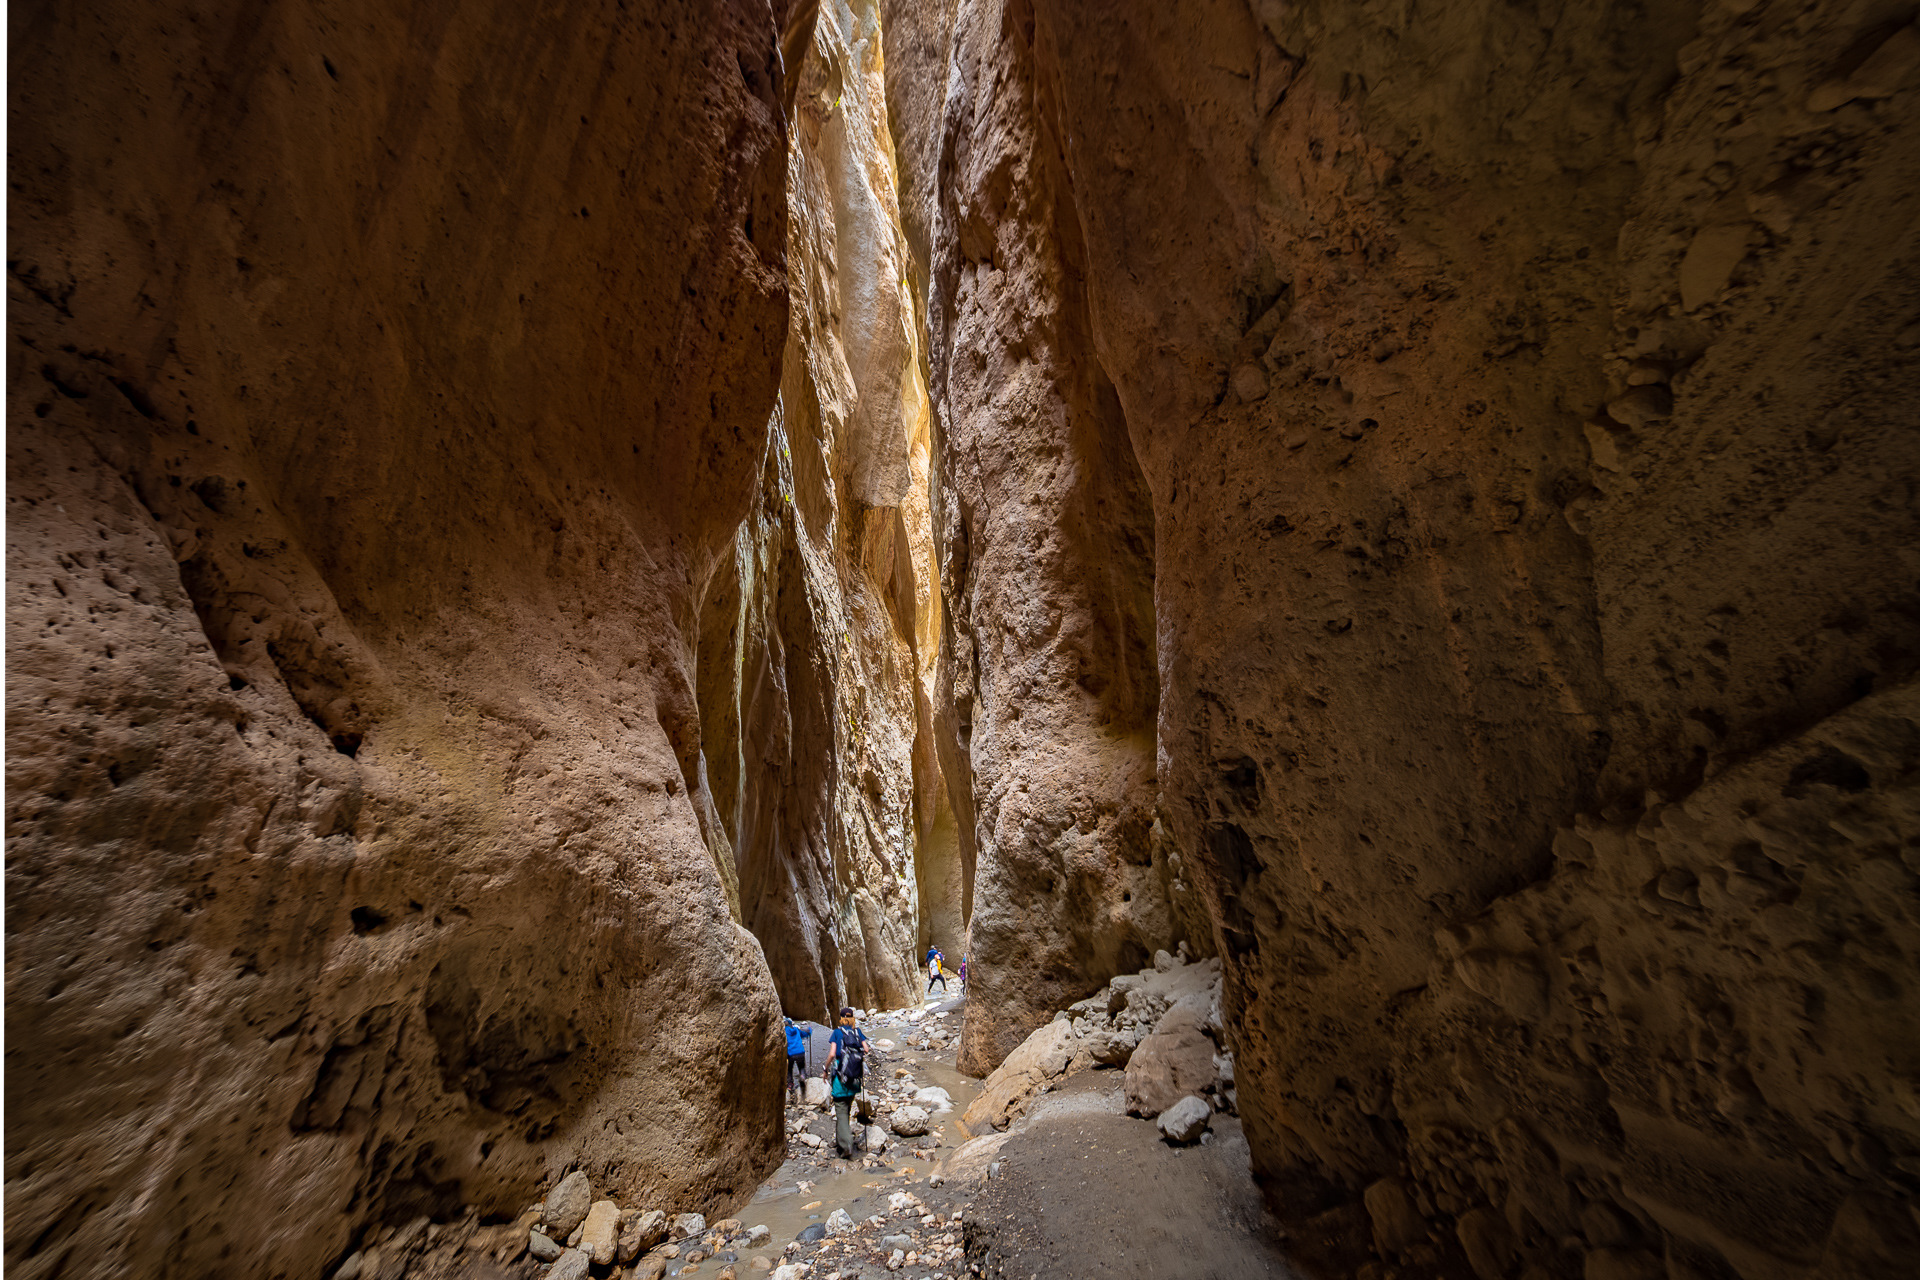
[(807, 1187)]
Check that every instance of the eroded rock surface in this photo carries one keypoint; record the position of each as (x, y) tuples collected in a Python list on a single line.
[(1525, 404), (1048, 683), (817, 632), (381, 387)]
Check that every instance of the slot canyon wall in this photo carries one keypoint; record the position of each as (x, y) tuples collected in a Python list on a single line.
[(819, 629), (1047, 677), (1444, 474), (384, 387)]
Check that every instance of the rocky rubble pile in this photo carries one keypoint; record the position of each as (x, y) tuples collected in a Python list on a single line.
[(569, 1234), (1162, 1025), (909, 1234)]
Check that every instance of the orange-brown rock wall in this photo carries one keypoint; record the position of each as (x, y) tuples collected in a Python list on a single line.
[(1523, 398), (383, 384), (817, 635), (1048, 679)]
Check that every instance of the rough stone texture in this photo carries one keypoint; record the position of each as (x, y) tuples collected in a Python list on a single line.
[(640, 1232), (382, 384), (1526, 400), (568, 1204), (1042, 1056), (817, 629), (1185, 1120), (599, 1233), (1047, 685), (909, 1122), (1176, 1060)]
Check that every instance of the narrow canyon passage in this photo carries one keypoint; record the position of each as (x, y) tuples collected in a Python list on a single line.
[(1356, 561)]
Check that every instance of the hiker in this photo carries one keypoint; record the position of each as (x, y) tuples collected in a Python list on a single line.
[(797, 1037), (963, 975), (846, 1074), (933, 971)]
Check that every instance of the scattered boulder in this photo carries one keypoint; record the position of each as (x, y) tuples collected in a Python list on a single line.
[(543, 1247), (567, 1204), (791, 1271), (687, 1224), (640, 1232), (934, 1099), (909, 1122), (759, 1235), (1186, 1119), (876, 1138), (599, 1234), (1397, 1225), (817, 1093), (839, 1222), (1112, 1048), (970, 1162), (1176, 1060), (572, 1265), (815, 1232), (1040, 1057)]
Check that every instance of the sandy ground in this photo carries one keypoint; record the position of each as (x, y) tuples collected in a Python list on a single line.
[(1079, 1189), (1086, 1190)]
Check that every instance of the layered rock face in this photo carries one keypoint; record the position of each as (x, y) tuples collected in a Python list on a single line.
[(818, 632), (1047, 683), (383, 388), (1522, 613)]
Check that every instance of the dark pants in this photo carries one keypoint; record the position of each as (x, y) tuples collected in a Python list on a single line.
[(843, 1126), (796, 1072), (940, 978)]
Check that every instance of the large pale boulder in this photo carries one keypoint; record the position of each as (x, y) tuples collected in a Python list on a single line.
[(970, 1161), (1176, 1060), (599, 1234), (909, 1122), (1041, 1057), (568, 1204), (1185, 1120)]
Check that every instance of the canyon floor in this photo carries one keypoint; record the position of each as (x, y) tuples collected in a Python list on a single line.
[(1074, 1188)]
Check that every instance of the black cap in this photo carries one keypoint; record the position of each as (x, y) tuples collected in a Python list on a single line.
[(847, 1012)]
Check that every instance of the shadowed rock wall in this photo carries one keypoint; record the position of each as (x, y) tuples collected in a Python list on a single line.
[(382, 388), (1047, 685), (1524, 401), (817, 635)]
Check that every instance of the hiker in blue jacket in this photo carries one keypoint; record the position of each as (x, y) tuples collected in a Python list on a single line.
[(797, 1037), (846, 1074)]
